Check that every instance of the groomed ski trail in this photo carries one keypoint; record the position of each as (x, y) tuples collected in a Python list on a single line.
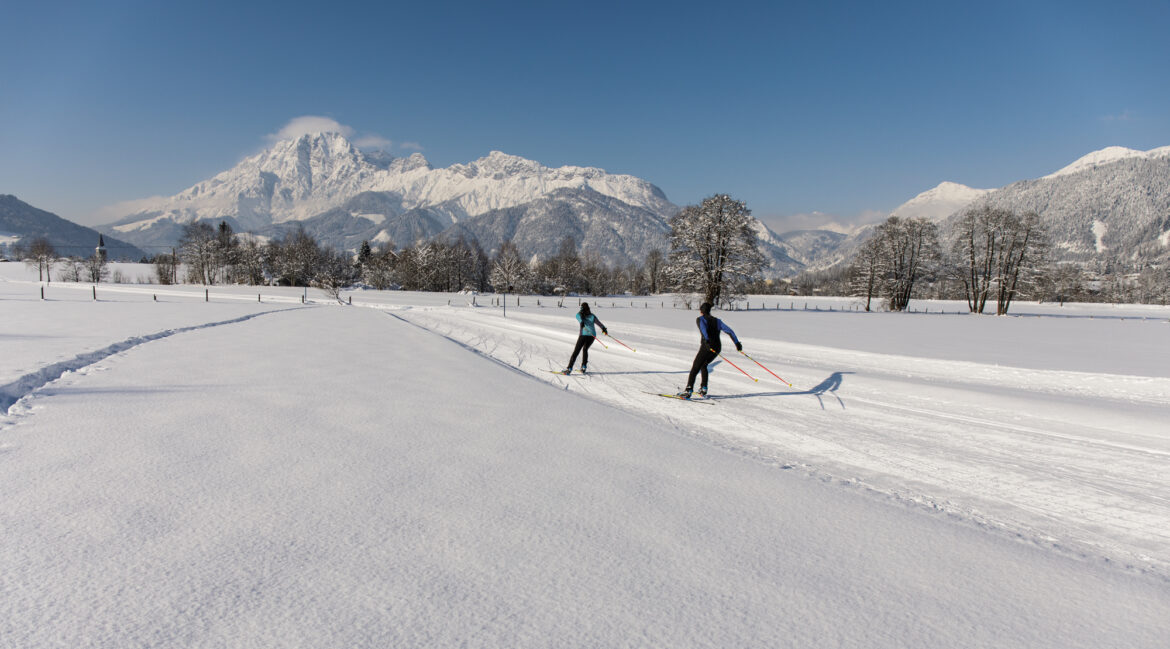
[(964, 438)]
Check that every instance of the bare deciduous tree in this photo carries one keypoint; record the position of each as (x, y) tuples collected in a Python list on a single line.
[(96, 267), (41, 254), (996, 250), (197, 248), (654, 270), (713, 248), (510, 273), (906, 250), (334, 271), (866, 271)]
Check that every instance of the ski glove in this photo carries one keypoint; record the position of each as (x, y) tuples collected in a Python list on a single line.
[(605, 331), (738, 347)]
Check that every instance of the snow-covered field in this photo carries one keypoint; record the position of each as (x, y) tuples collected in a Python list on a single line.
[(405, 471)]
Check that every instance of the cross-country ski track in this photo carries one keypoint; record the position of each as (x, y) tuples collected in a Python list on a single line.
[(1030, 452), (409, 475)]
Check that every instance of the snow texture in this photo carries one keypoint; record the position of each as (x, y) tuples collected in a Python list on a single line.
[(404, 472)]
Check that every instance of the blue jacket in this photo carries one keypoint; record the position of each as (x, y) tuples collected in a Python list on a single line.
[(709, 328), (586, 324)]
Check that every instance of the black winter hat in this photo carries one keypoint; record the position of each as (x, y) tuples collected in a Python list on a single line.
[(705, 307)]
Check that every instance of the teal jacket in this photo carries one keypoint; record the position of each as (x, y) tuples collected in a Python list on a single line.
[(587, 323)]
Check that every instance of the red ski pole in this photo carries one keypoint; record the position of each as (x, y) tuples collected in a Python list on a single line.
[(600, 343), (621, 343), (765, 369), (737, 367)]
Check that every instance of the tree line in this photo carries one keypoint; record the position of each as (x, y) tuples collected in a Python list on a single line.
[(713, 253), (989, 257)]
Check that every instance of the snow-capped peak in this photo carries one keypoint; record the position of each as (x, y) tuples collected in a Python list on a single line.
[(1106, 156), (306, 175), (939, 202)]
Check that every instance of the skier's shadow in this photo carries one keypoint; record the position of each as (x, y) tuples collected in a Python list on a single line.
[(829, 385)]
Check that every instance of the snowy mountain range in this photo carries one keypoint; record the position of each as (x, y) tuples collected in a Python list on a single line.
[(1112, 203), (21, 223), (342, 196), (1109, 155)]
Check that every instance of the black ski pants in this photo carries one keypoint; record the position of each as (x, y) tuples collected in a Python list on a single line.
[(705, 356), (582, 348)]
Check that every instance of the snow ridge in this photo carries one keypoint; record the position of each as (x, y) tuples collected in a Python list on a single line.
[(1109, 155), (29, 383)]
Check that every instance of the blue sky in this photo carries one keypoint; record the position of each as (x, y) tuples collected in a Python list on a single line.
[(846, 109)]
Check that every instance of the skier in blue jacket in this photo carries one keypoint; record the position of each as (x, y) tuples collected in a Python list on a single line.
[(586, 323), (709, 328)]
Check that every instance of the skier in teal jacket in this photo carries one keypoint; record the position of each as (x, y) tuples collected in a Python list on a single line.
[(586, 323)]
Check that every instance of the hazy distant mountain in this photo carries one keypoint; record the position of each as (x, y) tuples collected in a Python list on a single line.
[(20, 221), (782, 262), (824, 249), (940, 202)]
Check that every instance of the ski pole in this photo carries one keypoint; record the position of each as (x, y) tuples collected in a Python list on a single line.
[(621, 343), (600, 343), (765, 369), (737, 367)]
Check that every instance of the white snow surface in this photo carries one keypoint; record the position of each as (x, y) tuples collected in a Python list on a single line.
[(406, 472), (1100, 228), (1106, 156)]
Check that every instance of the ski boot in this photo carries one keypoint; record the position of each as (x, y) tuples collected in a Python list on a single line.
[(703, 391), (685, 394), (567, 371), (583, 370)]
